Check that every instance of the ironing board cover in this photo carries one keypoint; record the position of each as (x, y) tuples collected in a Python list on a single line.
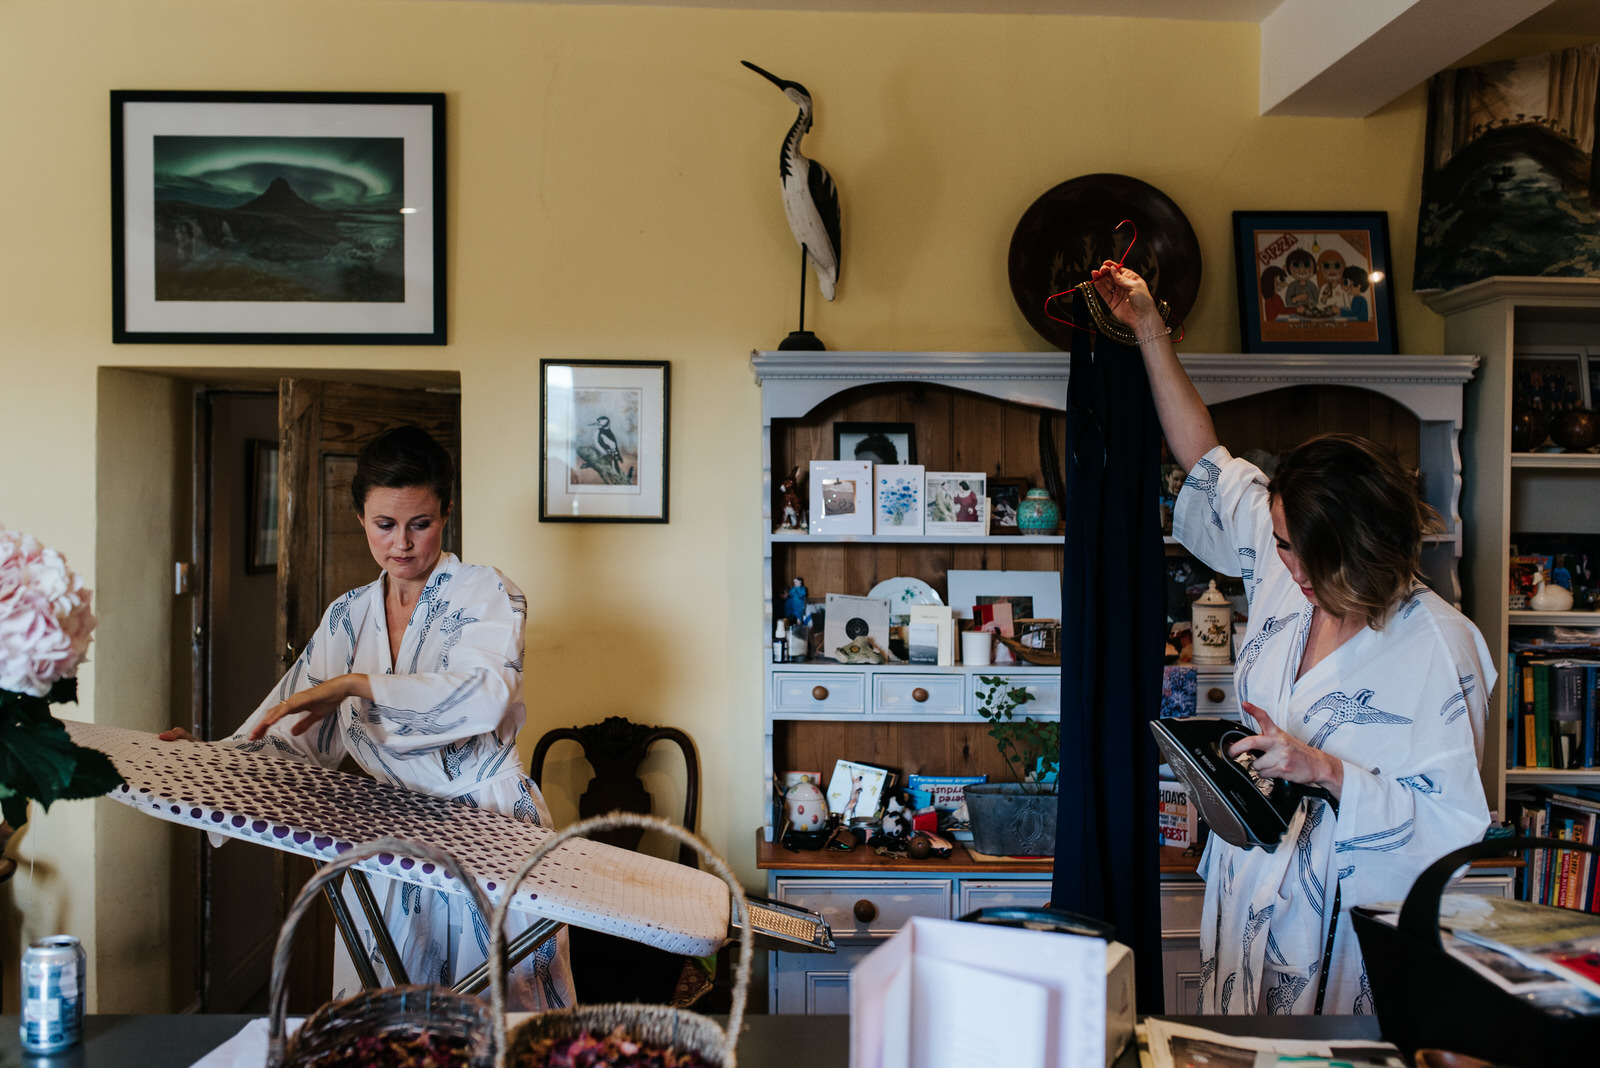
[(320, 813)]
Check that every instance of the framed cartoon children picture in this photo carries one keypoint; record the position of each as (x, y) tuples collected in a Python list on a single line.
[(1314, 282), (603, 440)]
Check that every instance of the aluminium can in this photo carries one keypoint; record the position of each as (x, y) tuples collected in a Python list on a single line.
[(54, 973)]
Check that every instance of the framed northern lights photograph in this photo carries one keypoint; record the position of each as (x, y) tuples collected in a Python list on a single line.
[(278, 218)]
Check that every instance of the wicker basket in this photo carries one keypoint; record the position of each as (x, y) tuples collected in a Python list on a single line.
[(398, 1010), (657, 1025), (1038, 641)]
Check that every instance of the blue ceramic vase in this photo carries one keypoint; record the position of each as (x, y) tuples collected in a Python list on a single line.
[(1038, 514)]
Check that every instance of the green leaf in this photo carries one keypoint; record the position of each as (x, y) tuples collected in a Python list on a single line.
[(40, 761)]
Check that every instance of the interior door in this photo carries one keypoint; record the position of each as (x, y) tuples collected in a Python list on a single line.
[(323, 553)]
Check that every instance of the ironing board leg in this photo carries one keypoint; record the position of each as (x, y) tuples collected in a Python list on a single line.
[(380, 930), (541, 932), (352, 938)]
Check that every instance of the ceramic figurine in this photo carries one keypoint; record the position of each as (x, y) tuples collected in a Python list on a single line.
[(1549, 597), (793, 515), (861, 651), (794, 602), (805, 806)]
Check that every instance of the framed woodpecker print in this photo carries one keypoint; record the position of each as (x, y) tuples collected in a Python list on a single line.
[(1314, 282), (278, 218), (603, 440)]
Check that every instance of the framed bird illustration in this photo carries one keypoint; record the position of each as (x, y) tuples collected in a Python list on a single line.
[(603, 440), (811, 204)]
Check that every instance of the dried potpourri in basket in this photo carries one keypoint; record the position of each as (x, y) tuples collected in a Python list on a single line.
[(615, 1050), (420, 1049)]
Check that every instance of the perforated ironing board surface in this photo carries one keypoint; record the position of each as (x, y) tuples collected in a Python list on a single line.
[(307, 809)]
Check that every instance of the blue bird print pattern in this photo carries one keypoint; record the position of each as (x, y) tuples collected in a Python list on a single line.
[(1455, 706), (1343, 710), (1364, 1005), (1247, 570), (1386, 841), (1252, 650), (1305, 857), (433, 598), (1254, 928), (1422, 784), (452, 628), (1206, 482)]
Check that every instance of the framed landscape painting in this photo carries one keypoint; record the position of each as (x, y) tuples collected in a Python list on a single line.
[(278, 218)]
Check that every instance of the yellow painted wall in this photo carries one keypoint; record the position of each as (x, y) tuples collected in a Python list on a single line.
[(613, 193)]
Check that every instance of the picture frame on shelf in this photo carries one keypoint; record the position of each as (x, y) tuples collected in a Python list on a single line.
[(956, 503), (1314, 282), (261, 525), (966, 587), (897, 498), (279, 218), (604, 441), (848, 618), (876, 443), (841, 497), (1005, 497)]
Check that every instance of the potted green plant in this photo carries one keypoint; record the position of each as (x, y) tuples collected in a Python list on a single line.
[(1016, 818)]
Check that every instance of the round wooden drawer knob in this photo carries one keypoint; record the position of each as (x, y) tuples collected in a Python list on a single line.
[(919, 695), (1215, 695), (865, 911), (819, 693)]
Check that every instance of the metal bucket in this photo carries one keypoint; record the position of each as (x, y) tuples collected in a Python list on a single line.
[(1009, 819)]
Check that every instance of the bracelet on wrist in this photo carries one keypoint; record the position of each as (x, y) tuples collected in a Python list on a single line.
[(1165, 331)]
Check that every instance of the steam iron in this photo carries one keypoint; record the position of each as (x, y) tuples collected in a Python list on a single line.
[(1241, 806)]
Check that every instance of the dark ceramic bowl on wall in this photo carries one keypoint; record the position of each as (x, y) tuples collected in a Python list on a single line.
[(1575, 430), (1072, 229)]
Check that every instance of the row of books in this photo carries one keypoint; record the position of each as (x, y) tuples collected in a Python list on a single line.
[(1568, 878), (1550, 710)]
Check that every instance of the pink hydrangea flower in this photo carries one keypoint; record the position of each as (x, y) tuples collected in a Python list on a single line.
[(45, 622)]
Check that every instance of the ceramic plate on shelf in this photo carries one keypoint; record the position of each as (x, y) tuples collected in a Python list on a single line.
[(902, 593)]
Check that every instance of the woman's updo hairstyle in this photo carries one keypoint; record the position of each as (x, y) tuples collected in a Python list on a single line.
[(1356, 521), (400, 457)]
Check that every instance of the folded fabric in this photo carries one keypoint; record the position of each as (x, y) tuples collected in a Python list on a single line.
[(247, 1049)]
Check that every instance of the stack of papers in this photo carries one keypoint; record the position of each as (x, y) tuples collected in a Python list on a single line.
[(1175, 1045)]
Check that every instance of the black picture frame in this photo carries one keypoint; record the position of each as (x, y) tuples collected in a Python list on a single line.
[(1310, 313), (848, 437), (1005, 497), (604, 441), (278, 218), (261, 507)]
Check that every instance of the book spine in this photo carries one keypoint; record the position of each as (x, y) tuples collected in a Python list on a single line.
[(1513, 679), (1591, 679), (1541, 715), (1530, 756)]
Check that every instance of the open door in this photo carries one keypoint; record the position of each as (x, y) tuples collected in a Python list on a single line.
[(321, 554)]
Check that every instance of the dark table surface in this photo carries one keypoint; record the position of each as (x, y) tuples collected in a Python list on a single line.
[(812, 1041)]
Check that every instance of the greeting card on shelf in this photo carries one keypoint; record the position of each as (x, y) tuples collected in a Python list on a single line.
[(941, 617), (855, 791), (897, 498), (841, 497)]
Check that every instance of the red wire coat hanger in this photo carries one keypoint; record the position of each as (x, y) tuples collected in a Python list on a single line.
[(1105, 322)]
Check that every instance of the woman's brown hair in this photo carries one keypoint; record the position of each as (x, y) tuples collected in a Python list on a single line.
[(1356, 521)]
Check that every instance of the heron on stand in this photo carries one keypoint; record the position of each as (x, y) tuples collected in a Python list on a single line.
[(811, 204)]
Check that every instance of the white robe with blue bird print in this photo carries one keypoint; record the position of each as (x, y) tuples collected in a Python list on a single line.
[(443, 720), (1403, 707)]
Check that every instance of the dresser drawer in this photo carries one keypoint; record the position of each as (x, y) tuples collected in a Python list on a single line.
[(894, 693), (1046, 690), (868, 908), (818, 691), (1003, 893)]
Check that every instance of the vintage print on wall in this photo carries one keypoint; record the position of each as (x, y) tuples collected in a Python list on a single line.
[(1314, 281), (1509, 185), (309, 218), (603, 434), (957, 503), (877, 443)]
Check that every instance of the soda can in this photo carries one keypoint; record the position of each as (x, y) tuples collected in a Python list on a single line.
[(54, 974)]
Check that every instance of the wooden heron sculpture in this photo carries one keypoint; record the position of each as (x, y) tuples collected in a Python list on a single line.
[(811, 203)]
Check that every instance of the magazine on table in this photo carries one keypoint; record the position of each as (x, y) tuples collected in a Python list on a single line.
[(1176, 1045), (1549, 957)]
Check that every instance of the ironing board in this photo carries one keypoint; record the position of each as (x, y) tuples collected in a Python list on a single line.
[(319, 813)]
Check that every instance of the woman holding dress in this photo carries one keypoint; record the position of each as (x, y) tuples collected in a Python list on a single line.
[(418, 678), (1359, 679)]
